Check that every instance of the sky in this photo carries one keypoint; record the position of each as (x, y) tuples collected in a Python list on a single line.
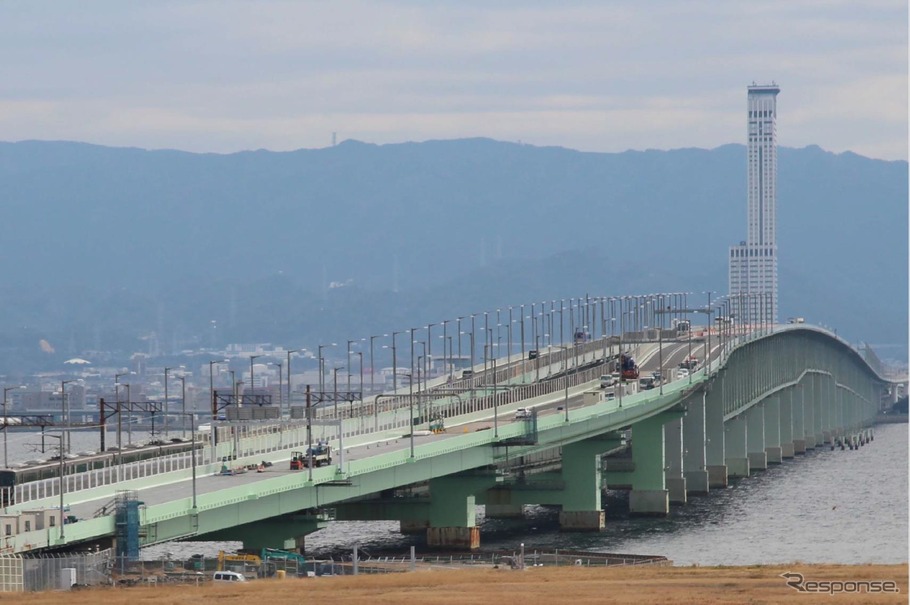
[(224, 76)]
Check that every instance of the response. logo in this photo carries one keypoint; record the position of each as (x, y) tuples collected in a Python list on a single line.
[(797, 582)]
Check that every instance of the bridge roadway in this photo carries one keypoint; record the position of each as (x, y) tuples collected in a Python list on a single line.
[(168, 492), (276, 507)]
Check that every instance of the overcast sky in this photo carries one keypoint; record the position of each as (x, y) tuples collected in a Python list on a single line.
[(610, 75)]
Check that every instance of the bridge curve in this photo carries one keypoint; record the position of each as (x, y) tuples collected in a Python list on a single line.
[(758, 398)]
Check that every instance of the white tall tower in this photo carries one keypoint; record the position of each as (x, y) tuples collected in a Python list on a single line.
[(753, 263)]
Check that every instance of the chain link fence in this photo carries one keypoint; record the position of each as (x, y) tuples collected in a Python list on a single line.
[(20, 573)]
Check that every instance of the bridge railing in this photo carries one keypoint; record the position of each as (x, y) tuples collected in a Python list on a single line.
[(109, 475)]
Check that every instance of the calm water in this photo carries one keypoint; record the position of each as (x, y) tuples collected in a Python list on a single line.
[(828, 506)]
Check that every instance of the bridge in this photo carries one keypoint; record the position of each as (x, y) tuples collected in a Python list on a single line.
[(756, 397)]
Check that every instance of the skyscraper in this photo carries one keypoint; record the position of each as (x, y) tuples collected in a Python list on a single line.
[(753, 263)]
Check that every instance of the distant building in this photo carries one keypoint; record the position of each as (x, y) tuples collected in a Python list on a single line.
[(753, 263)]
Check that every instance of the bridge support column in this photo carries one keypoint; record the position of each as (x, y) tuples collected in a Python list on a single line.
[(674, 479), (786, 424), (838, 400), (798, 417), (755, 437), (735, 443), (581, 472), (828, 409), (715, 435), (452, 514), (649, 494), (809, 411), (818, 410), (694, 444), (772, 430)]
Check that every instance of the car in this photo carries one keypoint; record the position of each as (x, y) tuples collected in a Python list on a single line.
[(228, 576), (532, 354), (607, 380), (682, 373), (467, 374), (610, 395), (522, 413)]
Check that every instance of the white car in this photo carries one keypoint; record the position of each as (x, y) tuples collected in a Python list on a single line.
[(607, 380), (522, 413), (228, 576), (682, 373)]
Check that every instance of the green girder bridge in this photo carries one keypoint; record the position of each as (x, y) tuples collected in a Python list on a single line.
[(760, 398)]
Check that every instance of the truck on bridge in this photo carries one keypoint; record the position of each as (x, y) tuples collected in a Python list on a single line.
[(628, 367), (320, 454)]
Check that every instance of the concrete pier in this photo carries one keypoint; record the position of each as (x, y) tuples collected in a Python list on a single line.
[(655, 502), (581, 520), (717, 476), (649, 494), (676, 490), (737, 455), (755, 439), (461, 538)]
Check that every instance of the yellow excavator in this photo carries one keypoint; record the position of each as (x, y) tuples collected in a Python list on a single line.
[(231, 561)]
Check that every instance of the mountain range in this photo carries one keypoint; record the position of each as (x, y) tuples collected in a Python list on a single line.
[(123, 249)]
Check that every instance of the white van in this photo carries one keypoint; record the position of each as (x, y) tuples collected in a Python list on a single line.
[(228, 576)]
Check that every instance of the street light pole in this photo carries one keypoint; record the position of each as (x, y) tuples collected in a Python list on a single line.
[(6, 390), (289, 377), (347, 364), (193, 449), (252, 382), (62, 484), (335, 389), (212, 403), (321, 362), (360, 356), (280, 387), (428, 360), (411, 408), (182, 420), (458, 328), (394, 364), (66, 416), (119, 423), (445, 334), (372, 367), (182, 380)]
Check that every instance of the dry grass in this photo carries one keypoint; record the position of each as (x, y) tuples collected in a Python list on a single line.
[(539, 586)]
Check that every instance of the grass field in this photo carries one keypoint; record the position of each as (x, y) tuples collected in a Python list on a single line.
[(534, 586)]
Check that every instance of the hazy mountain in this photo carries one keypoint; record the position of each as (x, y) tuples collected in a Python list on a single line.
[(102, 247)]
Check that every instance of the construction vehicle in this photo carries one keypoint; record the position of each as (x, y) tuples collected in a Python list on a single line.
[(297, 461), (320, 454), (242, 562), (628, 367), (437, 425), (274, 559)]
